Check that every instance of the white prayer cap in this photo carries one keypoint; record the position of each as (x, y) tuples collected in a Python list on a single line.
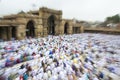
[(77, 65), (52, 65), (65, 72), (60, 61), (57, 56), (41, 69), (75, 61), (45, 76), (49, 61), (69, 71), (48, 67), (54, 71), (59, 69), (21, 71), (46, 53), (95, 78), (39, 64), (36, 56), (49, 73), (55, 77)]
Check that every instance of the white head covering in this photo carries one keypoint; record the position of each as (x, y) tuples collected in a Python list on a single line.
[(49, 73), (45, 76)]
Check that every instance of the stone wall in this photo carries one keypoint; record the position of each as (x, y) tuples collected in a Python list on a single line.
[(40, 21), (45, 13)]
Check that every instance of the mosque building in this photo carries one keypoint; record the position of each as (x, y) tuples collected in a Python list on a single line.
[(37, 24)]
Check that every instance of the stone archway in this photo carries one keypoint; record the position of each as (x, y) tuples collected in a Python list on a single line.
[(66, 26), (51, 25), (30, 29), (13, 32), (5, 33)]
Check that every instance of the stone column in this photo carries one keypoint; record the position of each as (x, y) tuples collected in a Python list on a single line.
[(39, 31), (45, 26), (70, 31), (4, 33), (21, 32), (9, 33), (82, 29), (57, 28), (62, 27)]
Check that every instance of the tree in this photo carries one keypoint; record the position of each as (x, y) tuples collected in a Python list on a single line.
[(116, 18), (113, 19)]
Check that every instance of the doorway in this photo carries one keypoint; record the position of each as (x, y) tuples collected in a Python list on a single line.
[(30, 29), (66, 28), (14, 32), (51, 25)]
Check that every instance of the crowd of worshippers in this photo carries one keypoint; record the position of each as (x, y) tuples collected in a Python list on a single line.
[(83, 56)]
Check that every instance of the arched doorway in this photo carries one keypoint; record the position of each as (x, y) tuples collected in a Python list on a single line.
[(13, 32), (51, 25), (30, 29), (66, 28)]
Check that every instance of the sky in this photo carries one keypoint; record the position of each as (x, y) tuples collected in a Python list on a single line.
[(89, 10)]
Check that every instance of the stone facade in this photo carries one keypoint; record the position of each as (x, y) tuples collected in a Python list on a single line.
[(37, 24)]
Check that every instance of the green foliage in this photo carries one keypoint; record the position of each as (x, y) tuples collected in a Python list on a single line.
[(113, 19)]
